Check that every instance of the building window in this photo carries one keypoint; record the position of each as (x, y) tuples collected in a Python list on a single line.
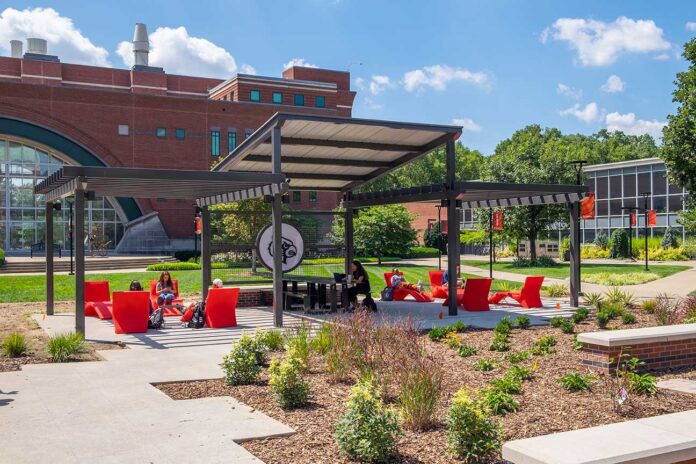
[(247, 133), (180, 134), (296, 196), (161, 132), (278, 98), (231, 96), (255, 95), (231, 140), (320, 101), (312, 197), (299, 99), (123, 129), (215, 143)]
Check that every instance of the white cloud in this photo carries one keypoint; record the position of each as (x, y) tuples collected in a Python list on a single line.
[(468, 124), (663, 56), (590, 113), (691, 26), (360, 83), (379, 84), (298, 62), (568, 91), (599, 43), (628, 124), (178, 53), (437, 77), (247, 69), (614, 84), (370, 103), (64, 39)]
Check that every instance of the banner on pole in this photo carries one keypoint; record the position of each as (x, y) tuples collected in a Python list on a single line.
[(497, 220), (198, 225), (633, 218), (652, 218), (443, 227), (587, 207)]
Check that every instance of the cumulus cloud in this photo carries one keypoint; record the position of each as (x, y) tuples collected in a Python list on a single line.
[(247, 69), (64, 39), (691, 26), (468, 124), (599, 43), (373, 105), (590, 113), (568, 91), (379, 84), (360, 83), (298, 62), (628, 124), (614, 84), (438, 76), (179, 53)]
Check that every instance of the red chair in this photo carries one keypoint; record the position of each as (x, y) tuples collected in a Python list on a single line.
[(400, 293), (131, 311), (528, 297), (437, 290), (176, 301), (220, 307), (97, 299), (474, 295)]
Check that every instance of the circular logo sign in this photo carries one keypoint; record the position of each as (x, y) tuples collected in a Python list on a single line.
[(293, 247)]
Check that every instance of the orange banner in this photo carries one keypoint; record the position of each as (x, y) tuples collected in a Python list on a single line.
[(198, 225), (652, 218), (587, 207), (633, 218), (443, 227), (497, 220)]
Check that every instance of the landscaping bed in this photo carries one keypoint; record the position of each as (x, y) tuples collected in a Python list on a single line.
[(544, 405)]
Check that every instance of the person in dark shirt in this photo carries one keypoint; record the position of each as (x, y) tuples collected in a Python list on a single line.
[(361, 280)]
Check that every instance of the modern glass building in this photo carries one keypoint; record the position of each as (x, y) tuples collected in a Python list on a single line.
[(22, 214)]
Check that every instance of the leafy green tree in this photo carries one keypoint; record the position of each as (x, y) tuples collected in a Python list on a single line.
[(679, 140), (241, 228), (670, 239), (619, 244), (434, 238)]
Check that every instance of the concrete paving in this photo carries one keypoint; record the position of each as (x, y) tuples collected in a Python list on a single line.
[(678, 385)]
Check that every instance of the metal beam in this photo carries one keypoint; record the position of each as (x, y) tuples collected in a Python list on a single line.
[(322, 161), (246, 194), (277, 224), (206, 266), (574, 253), (452, 228), (79, 206), (348, 240), (321, 176), (48, 241), (354, 144)]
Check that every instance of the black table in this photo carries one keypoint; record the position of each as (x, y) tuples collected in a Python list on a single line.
[(316, 291)]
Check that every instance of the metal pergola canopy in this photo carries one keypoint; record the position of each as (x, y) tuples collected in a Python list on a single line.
[(206, 187), (335, 153)]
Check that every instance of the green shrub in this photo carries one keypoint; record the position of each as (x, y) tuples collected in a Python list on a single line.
[(593, 299), (601, 239), (544, 346), (521, 373), (602, 319), (472, 435), (466, 350), (522, 321), (564, 249), (619, 244), (576, 382), (243, 363), (504, 326), (580, 315), (2, 256), (518, 357), (186, 255), (556, 321), (617, 296), (670, 239), (433, 238), (485, 365), (419, 390), (286, 382), (613, 310), (628, 278), (438, 333), (186, 266), (423, 252), (15, 345), (649, 306), (500, 343), (270, 340), (299, 344), (556, 290), (577, 346), (508, 384), (321, 343), (500, 403), (368, 431), (567, 326), (642, 384), (628, 318), (62, 347)]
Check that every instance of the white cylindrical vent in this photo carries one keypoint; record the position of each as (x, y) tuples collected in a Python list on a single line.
[(37, 46), (141, 45), (16, 48)]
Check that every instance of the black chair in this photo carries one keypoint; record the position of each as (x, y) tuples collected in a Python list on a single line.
[(41, 247)]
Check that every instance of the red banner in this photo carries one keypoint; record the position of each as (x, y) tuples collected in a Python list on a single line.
[(497, 220), (633, 218), (198, 225), (443, 227), (587, 207), (652, 218)]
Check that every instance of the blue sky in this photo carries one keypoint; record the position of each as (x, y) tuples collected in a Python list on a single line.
[(493, 66)]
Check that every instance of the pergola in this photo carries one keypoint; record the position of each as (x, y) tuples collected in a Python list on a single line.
[(206, 187), (342, 154)]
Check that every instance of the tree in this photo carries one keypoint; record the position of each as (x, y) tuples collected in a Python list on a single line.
[(619, 244), (670, 239), (243, 227), (679, 136), (434, 238)]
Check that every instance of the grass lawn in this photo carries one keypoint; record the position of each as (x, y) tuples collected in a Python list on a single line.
[(33, 287), (562, 270)]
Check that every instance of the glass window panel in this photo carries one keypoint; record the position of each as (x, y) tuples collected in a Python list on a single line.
[(602, 187), (215, 143), (320, 102), (673, 188), (98, 202), (28, 155), (43, 170), (109, 215), (277, 98), (644, 182), (675, 203), (21, 235), (590, 183), (3, 150), (97, 215), (296, 196), (615, 186), (255, 95), (180, 133), (110, 233), (42, 156), (15, 214), (660, 203), (15, 153), (659, 183), (602, 207), (28, 215), (629, 185), (299, 100), (615, 207)]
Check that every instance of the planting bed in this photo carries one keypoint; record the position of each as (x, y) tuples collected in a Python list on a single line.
[(545, 407)]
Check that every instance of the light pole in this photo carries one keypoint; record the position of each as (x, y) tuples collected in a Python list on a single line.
[(645, 196), (577, 166), (630, 210)]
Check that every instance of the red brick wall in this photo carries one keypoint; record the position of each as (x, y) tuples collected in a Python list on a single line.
[(656, 356), (423, 212), (254, 297)]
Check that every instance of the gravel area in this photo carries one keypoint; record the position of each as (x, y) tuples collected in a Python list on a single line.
[(545, 407)]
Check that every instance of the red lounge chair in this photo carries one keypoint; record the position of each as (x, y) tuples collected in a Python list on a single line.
[(220, 307), (97, 299), (175, 301), (437, 290), (528, 297), (474, 295), (131, 311), (401, 293)]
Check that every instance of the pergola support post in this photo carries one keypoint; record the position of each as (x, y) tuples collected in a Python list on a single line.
[(80, 259), (277, 224), (349, 213), (574, 253), (206, 275), (49, 258), (452, 228)]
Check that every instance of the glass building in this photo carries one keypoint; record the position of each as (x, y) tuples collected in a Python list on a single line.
[(22, 214)]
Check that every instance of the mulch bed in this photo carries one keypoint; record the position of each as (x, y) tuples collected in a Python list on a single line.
[(545, 407), (16, 317)]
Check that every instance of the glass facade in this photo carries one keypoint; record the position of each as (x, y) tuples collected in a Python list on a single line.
[(23, 164)]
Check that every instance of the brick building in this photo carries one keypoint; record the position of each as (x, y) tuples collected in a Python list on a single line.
[(54, 113)]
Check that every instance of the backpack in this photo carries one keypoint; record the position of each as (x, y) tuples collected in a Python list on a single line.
[(198, 319), (369, 304), (156, 320), (387, 294)]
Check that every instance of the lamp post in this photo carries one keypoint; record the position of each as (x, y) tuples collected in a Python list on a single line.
[(577, 166), (645, 196), (439, 225), (630, 210)]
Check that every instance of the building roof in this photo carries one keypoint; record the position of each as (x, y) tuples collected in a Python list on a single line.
[(336, 153), (206, 187), (623, 164)]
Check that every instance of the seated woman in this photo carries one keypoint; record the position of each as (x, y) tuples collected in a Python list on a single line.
[(362, 283), (217, 283), (445, 278), (165, 289), (135, 286), (397, 279)]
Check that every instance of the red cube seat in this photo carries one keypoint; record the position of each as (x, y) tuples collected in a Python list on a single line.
[(474, 295), (437, 290), (221, 307), (131, 312), (97, 299)]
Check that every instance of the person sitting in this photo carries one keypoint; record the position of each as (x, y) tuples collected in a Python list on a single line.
[(362, 283), (397, 278), (445, 278), (135, 286), (217, 283), (165, 289)]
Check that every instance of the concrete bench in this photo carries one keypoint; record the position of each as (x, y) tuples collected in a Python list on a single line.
[(655, 440), (658, 347)]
